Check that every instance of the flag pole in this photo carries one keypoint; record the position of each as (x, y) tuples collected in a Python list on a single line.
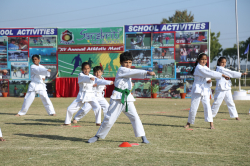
[(246, 68), (237, 39)]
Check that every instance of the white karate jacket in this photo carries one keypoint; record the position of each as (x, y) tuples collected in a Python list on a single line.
[(201, 75), (222, 83), (123, 81), (99, 89), (36, 75)]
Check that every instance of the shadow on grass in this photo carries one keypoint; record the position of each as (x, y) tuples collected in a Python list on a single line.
[(53, 137), (171, 116), (7, 113), (42, 124), (47, 120)]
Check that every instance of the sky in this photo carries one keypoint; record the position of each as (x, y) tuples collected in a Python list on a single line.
[(111, 13)]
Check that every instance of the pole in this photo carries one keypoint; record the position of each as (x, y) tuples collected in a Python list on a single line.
[(237, 40), (246, 69)]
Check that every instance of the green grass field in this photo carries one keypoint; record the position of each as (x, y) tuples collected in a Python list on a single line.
[(38, 139)]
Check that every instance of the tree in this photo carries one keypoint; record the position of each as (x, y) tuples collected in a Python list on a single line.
[(178, 17), (215, 47)]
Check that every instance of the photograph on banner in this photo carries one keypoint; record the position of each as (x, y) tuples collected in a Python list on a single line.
[(191, 37), (138, 41), (18, 88), (141, 57), (47, 55), (162, 39), (163, 53), (189, 85), (156, 85), (164, 68), (3, 65), (183, 70), (53, 73), (171, 88), (189, 52), (141, 88), (6, 76), (86, 36), (3, 58), (18, 55), (18, 43), (3, 44), (4, 86), (69, 65), (42, 41), (19, 70), (144, 68)]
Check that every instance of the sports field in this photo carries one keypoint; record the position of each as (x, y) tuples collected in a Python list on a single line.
[(38, 139)]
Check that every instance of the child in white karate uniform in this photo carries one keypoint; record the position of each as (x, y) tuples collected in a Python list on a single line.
[(122, 100), (99, 89), (4, 72), (201, 90), (37, 75), (223, 89), (85, 95)]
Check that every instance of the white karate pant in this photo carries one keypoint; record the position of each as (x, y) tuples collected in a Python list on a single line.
[(115, 109), (87, 107), (29, 98), (195, 102), (225, 95), (75, 106), (1, 133)]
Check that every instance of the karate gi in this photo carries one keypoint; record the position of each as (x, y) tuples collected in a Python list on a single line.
[(123, 82), (201, 92), (99, 89), (85, 95), (223, 92), (37, 86)]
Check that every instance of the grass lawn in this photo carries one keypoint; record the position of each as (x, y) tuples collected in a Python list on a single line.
[(38, 139)]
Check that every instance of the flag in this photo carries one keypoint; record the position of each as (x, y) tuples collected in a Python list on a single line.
[(246, 49)]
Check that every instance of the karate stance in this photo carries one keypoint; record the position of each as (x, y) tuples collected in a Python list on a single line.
[(223, 89), (98, 89), (4, 72), (37, 74), (86, 94), (122, 100), (201, 90)]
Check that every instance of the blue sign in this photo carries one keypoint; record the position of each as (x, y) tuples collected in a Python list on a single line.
[(167, 27), (28, 32)]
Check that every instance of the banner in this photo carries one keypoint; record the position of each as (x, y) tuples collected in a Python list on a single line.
[(167, 27), (87, 36), (28, 31)]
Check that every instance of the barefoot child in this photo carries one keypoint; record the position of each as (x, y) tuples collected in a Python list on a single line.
[(223, 89), (38, 72), (4, 72), (122, 100), (85, 95), (98, 71), (201, 90)]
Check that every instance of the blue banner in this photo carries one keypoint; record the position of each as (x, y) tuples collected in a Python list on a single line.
[(167, 27), (28, 32)]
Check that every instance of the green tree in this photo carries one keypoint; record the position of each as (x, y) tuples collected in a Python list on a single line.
[(178, 17), (215, 47)]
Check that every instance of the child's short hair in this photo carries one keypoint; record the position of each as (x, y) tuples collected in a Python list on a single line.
[(125, 56), (97, 68), (85, 64), (35, 56)]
